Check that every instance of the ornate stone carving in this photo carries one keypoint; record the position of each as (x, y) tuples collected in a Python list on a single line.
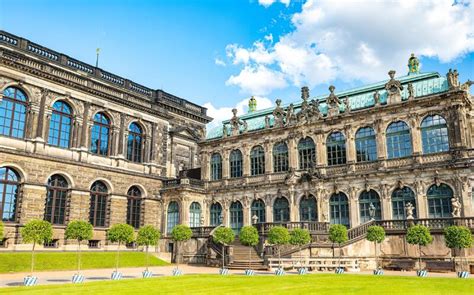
[(456, 206), (413, 65), (453, 79), (236, 122), (279, 114), (347, 105), (267, 122), (409, 210), (394, 88), (376, 98), (290, 116), (333, 102), (292, 177), (411, 91)]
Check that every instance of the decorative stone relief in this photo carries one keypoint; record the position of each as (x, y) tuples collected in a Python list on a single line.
[(394, 88), (333, 102)]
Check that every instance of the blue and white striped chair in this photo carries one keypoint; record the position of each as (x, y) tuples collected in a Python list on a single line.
[(177, 272), (422, 273), (223, 271), (339, 270), (302, 270), (77, 278), (279, 271), (249, 272), (30, 281), (147, 274), (378, 272), (463, 274), (116, 276)]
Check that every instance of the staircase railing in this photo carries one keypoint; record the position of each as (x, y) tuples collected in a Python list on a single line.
[(431, 223)]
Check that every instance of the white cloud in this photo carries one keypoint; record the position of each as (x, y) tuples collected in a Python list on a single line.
[(268, 3), (219, 62), (257, 80)]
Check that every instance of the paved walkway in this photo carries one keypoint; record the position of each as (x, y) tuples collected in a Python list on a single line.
[(62, 277)]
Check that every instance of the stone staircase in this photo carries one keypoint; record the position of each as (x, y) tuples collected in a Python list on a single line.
[(245, 257)]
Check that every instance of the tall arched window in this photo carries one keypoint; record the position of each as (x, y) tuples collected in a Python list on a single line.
[(308, 208), (434, 135), (306, 153), (100, 135), (280, 157), (236, 163), (194, 215), (336, 148), (258, 209), (60, 125), (134, 143), (13, 112), (216, 213), (368, 199), (172, 216), (439, 201), (400, 198), (398, 140), (339, 209), (281, 210), (257, 161), (236, 216), (9, 188), (366, 146), (98, 205), (216, 166), (57, 191), (134, 202)]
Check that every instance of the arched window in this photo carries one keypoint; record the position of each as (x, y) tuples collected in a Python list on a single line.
[(257, 161), (236, 216), (367, 200), (400, 197), (194, 215), (339, 207), (306, 153), (216, 166), (134, 143), (13, 112), (236, 163), (434, 135), (100, 135), (439, 201), (172, 216), (134, 202), (216, 213), (398, 140), (281, 210), (308, 208), (98, 205), (280, 157), (9, 188), (336, 148), (258, 209), (57, 191), (60, 125), (366, 146)]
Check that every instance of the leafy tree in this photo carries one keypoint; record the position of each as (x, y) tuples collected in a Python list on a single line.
[(148, 236), (338, 234), (78, 230), (278, 236), (376, 234), (223, 235), (180, 233), (120, 233), (419, 235), (458, 237), (300, 237), (249, 237), (37, 232)]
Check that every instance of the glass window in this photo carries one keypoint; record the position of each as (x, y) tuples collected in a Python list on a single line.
[(60, 125), (134, 199), (172, 216), (400, 197), (280, 157), (336, 149), (308, 208), (368, 199), (439, 201), (195, 215), (216, 167), (281, 210), (216, 213), (258, 209), (100, 135), (236, 216), (366, 146), (134, 143), (98, 205), (13, 113), (236, 163), (339, 207), (257, 161), (57, 191), (398, 140), (306, 153), (9, 188), (434, 135)]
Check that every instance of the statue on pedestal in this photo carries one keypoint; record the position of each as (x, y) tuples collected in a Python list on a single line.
[(376, 98), (279, 115), (411, 91), (456, 206), (409, 210), (333, 102), (394, 88), (290, 116), (235, 123)]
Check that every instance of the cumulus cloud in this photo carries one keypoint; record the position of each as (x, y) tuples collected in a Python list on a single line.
[(258, 80), (219, 62), (267, 3)]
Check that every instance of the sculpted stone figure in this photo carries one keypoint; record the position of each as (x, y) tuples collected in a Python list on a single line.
[(394, 88), (456, 205), (411, 91), (413, 65), (224, 130), (376, 98), (315, 112), (409, 210), (290, 116), (453, 79), (235, 123), (292, 177), (333, 102), (267, 122), (347, 105), (279, 114)]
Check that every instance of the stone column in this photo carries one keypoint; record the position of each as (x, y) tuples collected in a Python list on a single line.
[(246, 208), (31, 120), (269, 210), (225, 214), (268, 157), (246, 160), (293, 207), (118, 209), (153, 150), (321, 153), (185, 211), (79, 205), (121, 136), (380, 136), (350, 144), (421, 202), (41, 116), (385, 202), (415, 135), (292, 153), (85, 127), (33, 199), (225, 164), (205, 165), (353, 207)]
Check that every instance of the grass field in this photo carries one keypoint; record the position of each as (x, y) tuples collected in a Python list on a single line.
[(271, 284), (20, 261)]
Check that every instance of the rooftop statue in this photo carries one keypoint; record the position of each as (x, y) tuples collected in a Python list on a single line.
[(290, 115), (377, 98), (235, 123), (306, 112), (315, 112), (413, 65), (252, 105), (453, 79), (333, 102), (279, 114), (347, 105), (411, 91), (394, 88)]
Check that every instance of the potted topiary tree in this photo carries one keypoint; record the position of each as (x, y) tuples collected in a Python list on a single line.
[(376, 234), (338, 235), (458, 237), (35, 232), (249, 237), (300, 237), (224, 236), (119, 233), (180, 233), (78, 230), (419, 235), (147, 236), (279, 236)]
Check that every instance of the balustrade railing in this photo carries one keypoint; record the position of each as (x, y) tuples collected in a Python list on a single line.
[(359, 231), (431, 223), (313, 227)]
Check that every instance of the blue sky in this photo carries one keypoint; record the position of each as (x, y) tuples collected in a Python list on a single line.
[(218, 53)]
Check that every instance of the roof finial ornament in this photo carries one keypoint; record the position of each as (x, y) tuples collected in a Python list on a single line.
[(252, 104), (304, 93), (413, 65)]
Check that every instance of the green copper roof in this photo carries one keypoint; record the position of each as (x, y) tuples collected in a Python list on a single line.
[(359, 98)]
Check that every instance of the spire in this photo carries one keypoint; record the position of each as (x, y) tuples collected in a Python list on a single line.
[(413, 65), (252, 105)]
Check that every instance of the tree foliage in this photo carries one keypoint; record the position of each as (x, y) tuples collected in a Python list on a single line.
[(458, 237), (419, 235), (148, 236), (376, 234), (79, 230), (121, 233), (338, 233), (181, 233), (278, 235), (299, 237), (249, 236), (37, 232)]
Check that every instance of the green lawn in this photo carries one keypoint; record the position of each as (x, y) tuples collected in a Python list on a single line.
[(20, 261), (263, 284)]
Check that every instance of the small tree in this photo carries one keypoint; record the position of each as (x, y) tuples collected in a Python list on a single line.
[(148, 236), (278, 236), (180, 233), (458, 237), (36, 232), (223, 235), (338, 234), (78, 230), (120, 233), (300, 237), (376, 234), (419, 235), (249, 237)]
